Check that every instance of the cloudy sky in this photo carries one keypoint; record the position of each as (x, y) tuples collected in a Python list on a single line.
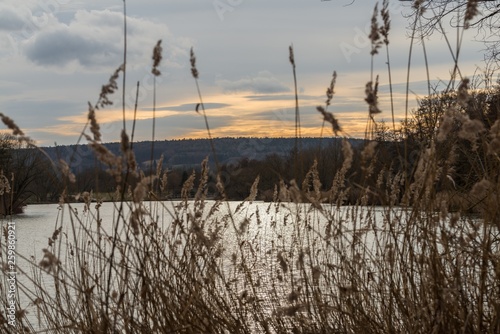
[(56, 54)]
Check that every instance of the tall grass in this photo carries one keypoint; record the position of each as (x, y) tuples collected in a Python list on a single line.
[(303, 263)]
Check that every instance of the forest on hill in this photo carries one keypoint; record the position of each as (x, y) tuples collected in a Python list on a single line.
[(188, 153), (39, 178)]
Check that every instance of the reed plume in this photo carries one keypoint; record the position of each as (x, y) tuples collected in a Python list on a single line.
[(371, 91), (109, 88), (16, 131), (328, 117), (471, 11), (157, 57)]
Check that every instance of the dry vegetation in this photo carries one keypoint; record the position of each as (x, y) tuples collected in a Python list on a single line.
[(303, 263)]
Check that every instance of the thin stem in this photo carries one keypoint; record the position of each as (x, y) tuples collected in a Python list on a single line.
[(405, 159), (391, 95), (425, 60), (135, 116), (153, 127), (111, 259), (297, 149), (455, 57), (297, 113), (124, 60), (212, 146), (321, 135)]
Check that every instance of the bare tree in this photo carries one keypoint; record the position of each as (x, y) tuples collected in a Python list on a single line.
[(481, 15), (22, 167)]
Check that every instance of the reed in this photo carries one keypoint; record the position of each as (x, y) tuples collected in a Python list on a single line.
[(305, 262)]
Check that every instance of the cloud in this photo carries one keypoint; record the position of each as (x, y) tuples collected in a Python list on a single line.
[(12, 18), (262, 83), (281, 97), (191, 107), (93, 39), (62, 46), (38, 112)]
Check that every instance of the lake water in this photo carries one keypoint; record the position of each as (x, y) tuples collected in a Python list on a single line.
[(266, 228), (267, 225), (36, 225)]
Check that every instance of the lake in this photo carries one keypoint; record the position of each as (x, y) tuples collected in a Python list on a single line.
[(272, 255)]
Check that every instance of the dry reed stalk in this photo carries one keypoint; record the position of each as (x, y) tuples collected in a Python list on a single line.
[(108, 158), (192, 59), (163, 183), (4, 184), (386, 27), (157, 57), (66, 171), (471, 11), (195, 74), (297, 147), (312, 182), (330, 89), (374, 35), (253, 190), (463, 96), (94, 126), (141, 189), (494, 144), (109, 88), (328, 117), (384, 31), (16, 131), (446, 125), (128, 153)]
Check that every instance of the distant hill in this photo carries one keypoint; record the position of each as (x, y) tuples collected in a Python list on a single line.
[(186, 153)]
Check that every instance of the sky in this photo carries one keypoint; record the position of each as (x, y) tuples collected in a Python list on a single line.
[(56, 54)]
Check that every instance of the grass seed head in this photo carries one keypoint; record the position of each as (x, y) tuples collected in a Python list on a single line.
[(446, 126), (470, 12), (66, 172), (371, 92), (253, 190), (384, 29), (4, 184), (163, 184), (282, 262), (494, 144), (11, 125), (87, 198), (94, 126), (157, 57), (291, 56), (159, 166), (417, 5), (187, 187), (471, 129), (141, 189), (463, 92), (49, 261), (374, 35), (329, 89), (481, 189), (369, 151), (328, 117), (109, 88), (125, 142), (348, 154), (192, 59)]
